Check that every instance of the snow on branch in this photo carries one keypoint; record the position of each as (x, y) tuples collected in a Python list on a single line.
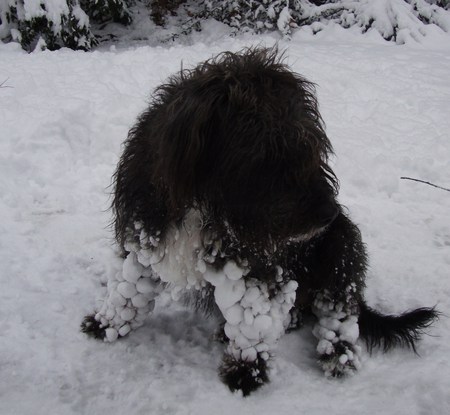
[(79, 24), (52, 24), (45, 24), (394, 19)]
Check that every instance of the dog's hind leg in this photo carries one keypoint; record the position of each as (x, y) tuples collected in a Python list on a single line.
[(130, 298), (256, 316), (337, 331), (337, 266)]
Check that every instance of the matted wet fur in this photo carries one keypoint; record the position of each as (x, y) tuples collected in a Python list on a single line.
[(238, 145)]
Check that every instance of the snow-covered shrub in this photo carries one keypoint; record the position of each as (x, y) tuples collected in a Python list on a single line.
[(45, 24), (105, 10), (256, 15), (56, 23), (393, 19)]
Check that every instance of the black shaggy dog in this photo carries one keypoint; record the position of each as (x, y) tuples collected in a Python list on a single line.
[(224, 187)]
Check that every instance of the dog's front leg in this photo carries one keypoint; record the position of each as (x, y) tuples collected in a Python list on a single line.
[(337, 331), (130, 298), (256, 316)]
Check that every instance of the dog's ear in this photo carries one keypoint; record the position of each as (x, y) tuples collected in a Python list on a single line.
[(189, 122)]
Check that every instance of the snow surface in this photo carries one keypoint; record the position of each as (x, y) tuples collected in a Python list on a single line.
[(63, 117)]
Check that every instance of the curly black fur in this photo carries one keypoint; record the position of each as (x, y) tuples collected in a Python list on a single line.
[(240, 139), (389, 331)]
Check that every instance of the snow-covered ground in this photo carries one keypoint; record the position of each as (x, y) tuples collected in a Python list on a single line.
[(63, 116)]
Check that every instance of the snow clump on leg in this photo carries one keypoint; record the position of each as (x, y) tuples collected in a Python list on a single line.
[(337, 331), (131, 293), (255, 319)]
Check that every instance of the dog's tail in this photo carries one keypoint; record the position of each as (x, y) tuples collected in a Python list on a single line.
[(389, 331)]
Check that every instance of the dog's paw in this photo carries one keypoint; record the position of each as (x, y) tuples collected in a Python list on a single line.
[(93, 328), (339, 359), (243, 376), (98, 327)]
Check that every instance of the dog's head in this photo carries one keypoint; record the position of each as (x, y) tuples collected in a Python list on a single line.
[(241, 138)]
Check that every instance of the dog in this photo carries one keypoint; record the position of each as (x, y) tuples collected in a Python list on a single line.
[(225, 188)]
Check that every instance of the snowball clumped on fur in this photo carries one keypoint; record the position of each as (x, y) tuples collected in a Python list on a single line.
[(255, 320)]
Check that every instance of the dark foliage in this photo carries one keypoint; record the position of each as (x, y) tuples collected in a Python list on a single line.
[(66, 30), (108, 10)]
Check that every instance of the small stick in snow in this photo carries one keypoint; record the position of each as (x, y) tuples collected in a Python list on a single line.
[(422, 181), (2, 85)]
